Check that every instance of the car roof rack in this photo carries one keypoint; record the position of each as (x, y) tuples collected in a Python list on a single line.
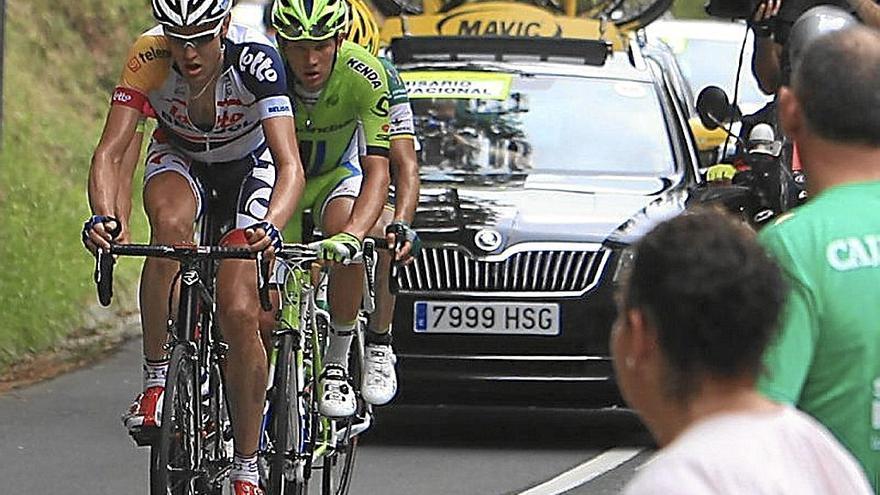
[(455, 48)]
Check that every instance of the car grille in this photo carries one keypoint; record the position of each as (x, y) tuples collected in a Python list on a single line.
[(523, 273)]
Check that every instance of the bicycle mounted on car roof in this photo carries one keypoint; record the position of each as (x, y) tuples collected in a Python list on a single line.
[(599, 19)]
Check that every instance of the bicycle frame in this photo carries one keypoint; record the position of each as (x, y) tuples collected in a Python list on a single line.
[(303, 317), (193, 337)]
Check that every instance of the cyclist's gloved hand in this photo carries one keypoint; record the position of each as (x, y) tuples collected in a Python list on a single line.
[(271, 236), (340, 248), (720, 173), (405, 240), (99, 231)]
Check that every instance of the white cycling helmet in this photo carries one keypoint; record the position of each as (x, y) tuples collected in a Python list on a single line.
[(185, 13)]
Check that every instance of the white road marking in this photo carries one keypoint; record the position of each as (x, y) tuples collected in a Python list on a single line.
[(583, 473), (648, 461)]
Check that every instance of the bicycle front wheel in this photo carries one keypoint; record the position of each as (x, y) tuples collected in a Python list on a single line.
[(287, 427), (173, 456), (216, 430), (338, 466), (631, 15)]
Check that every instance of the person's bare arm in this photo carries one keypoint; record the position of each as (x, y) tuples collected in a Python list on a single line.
[(766, 66), (406, 179), (104, 174), (405, 167), (289, 176), (374, 192), (126, 178), (767, 53)]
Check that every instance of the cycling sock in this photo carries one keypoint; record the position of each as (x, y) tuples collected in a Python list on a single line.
[(340, 342), (378, 338), (154, 373), (244, 468)]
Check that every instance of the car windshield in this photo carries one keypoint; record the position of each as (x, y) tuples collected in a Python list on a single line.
[(489, 123), (699, 62)]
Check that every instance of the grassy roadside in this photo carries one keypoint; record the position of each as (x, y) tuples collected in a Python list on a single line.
[(61, 61)]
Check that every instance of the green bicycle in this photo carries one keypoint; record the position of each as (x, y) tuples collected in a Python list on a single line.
[(296, 440)]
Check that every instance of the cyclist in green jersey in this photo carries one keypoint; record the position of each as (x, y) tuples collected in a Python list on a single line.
[(379, 381), (827, 358), (337, 87)]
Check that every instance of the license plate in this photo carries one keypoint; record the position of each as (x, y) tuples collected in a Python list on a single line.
[(486, 318)]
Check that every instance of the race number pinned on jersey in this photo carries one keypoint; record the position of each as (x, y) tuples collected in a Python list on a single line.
[(460, 85)]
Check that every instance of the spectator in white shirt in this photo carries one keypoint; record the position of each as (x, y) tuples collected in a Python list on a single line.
[(699, 305)]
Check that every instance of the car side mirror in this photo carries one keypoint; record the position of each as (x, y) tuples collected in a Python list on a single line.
[(714, 107)]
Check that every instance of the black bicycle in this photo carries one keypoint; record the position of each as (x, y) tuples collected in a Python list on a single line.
[(191, 450)]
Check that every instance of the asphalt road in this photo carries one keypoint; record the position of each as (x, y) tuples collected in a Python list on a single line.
[(65, 436)]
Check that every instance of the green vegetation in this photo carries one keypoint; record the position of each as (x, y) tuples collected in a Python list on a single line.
[(61, 62)]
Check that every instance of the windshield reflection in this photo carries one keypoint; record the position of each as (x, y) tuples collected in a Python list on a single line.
[(565, 125)]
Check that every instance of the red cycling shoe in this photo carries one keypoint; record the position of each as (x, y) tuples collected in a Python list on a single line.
[(146, 410)]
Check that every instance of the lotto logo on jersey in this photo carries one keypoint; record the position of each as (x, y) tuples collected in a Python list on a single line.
[(121, 96), (257, 64)]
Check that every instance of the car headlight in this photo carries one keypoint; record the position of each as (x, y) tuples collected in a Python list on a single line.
[(663, 208), (621, 240), (624, 263)]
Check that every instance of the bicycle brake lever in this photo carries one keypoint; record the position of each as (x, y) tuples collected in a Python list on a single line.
[(104, 276), (263, 281)]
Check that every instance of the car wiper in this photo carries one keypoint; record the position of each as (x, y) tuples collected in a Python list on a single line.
[(481, 177), (488, 67)]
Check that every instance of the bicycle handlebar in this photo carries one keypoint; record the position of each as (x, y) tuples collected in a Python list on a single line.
[(307, 253), (104, 263), (183, 252)]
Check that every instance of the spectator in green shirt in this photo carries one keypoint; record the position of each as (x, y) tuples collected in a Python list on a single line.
[(826, 360)]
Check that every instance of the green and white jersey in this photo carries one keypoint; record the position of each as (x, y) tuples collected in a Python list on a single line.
[(401, 112), (327, 122), (402, 125), (826, 360)]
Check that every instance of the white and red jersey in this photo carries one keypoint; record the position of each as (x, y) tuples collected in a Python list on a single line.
[(251, 87)]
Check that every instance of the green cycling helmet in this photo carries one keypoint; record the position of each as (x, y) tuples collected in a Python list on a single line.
[(309, 20)]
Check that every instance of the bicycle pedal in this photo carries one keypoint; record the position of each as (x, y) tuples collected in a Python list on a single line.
[(360, 424), (144, 437)]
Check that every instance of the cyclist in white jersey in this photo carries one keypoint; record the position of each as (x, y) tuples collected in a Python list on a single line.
[(226, 125)]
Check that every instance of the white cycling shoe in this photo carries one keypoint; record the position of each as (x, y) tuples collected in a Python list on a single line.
[(379, 382), (337, 398)]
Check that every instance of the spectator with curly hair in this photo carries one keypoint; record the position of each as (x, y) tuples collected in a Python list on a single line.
[(698, 307)]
